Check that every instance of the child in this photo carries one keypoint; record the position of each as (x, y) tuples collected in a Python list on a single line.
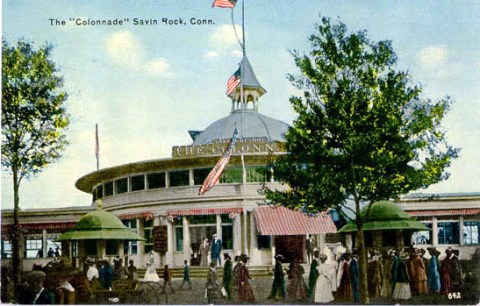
[(186, 275), (167, 277)]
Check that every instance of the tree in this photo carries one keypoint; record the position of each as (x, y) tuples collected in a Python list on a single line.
[(34, 120), (364, 132)]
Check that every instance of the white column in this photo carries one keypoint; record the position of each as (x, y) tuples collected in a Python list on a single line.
[(140, 243), (460, 230), (245, 238), (190, 177), (44, 242), (167, 179), (237, 235), (274, 251), (321, 241), (186, 239), (169, 254), (219, 226), (253, 242), (434, 231)]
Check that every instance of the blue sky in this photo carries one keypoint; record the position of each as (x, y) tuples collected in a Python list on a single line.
[(147, 85)]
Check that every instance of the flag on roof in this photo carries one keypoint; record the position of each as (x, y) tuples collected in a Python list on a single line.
[(214, 175), (224, 3), (233, 81)]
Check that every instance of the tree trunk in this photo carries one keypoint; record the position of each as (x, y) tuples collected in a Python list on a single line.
[(15, 234), (362, 267)]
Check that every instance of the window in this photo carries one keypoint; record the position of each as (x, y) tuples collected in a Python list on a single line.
[(148, 235), (422, 237), (232, 175), (156, 180), (54, 247), (264, 242), (108, 189), (227, 237), (226, 219), (130, 247), (179, 178), (199, 175), (202, 219), (90, 247), (6, 249), (137, 182), (471, 230), (448, 232), (112, 247), (121, 186), (179, 238), (34, 248), (98, 193)]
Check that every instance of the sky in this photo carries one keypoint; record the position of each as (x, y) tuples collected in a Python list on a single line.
[(147, 85)]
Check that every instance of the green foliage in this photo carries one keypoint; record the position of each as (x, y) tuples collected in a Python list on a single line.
[(33, 109), (363, 129)]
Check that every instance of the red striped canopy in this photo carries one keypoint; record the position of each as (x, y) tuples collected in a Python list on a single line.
[(282, 221), (148, 215), (204, 211), (443, 212)]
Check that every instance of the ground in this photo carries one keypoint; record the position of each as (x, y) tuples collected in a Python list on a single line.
[(261, 287)]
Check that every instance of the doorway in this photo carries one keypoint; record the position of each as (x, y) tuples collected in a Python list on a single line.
[(291, 247)]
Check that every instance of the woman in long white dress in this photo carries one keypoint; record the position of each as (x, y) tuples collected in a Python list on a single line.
[(323, 290), (151, 273)]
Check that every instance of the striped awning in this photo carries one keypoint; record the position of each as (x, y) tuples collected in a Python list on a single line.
[(147, 215), (204, 211), (443, 212), (282, 221), (49, 225)]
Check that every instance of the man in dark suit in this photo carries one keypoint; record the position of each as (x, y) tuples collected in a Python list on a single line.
[(216, 250), (37, 293), (354, 277)]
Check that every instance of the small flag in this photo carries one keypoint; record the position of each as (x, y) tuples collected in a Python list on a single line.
[(233, 81), (224, 3), (214, 175), (97, 147)]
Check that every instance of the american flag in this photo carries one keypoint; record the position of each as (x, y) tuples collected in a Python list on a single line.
[(217, 171), (233, 81), (224, 3)]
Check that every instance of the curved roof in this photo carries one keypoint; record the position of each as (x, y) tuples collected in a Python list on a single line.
[(250, 124), (385, 215), (99, 224)]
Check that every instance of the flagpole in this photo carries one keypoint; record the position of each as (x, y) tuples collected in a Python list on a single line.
[(97, 147), (243, 27)]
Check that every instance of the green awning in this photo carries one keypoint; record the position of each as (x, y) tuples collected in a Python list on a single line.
[(385, 215), (99, 225)]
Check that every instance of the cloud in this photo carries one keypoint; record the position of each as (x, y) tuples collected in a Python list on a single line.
[(223, 39), (211, 54), (432, 56), (125, 50), (224, 36)]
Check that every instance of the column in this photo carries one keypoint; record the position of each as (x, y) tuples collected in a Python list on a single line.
[(245, 245), (434, 231), (400, 238), (237, 235), (274, 251), (169, 254), (321, 242), (140, 243), (157, 256), (460, 230), (219, 226), (167, 179), (190, 178), (253, 242), (186, 239), (44, 242)]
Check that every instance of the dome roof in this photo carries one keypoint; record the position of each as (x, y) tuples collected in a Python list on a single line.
[(385, 215), (99, 224), (249, 125)]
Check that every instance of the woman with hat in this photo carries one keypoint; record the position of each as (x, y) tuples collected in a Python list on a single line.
[(245, 293), (323, 290), (445, 280), (402, 280), (213, 286), (296, 286), (278, 285), (227, 275), (433, 276)]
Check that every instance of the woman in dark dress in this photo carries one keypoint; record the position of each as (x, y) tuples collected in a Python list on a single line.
[(245, 293)]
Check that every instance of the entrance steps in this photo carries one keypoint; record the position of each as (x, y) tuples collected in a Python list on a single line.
[(202, 272)]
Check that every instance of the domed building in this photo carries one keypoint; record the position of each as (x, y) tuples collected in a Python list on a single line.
[(160, 201)]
